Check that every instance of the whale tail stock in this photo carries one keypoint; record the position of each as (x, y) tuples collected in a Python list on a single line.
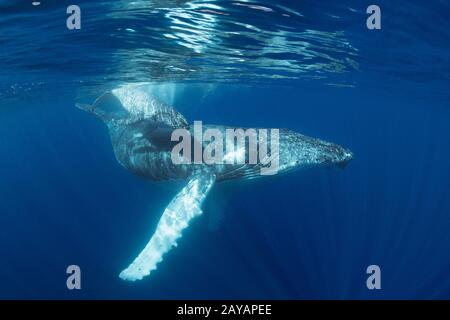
[(134, 103), (106, 107)]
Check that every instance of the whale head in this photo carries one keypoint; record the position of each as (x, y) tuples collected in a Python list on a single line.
[(297, 150), (327, 153)]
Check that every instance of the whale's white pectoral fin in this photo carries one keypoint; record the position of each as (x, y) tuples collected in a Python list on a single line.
[(185, 206)]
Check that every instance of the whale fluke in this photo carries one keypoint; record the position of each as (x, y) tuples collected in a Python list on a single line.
[(181, 210)]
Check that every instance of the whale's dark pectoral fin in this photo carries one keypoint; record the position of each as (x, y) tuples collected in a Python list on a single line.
[(159, 136), (180, 211)]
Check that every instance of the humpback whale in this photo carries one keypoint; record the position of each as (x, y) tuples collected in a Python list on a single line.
[(141, 127)]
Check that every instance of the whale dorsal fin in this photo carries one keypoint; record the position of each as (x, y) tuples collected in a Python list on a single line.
[(142, 105)]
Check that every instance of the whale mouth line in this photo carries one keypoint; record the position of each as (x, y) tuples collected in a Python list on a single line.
[(343, 163)]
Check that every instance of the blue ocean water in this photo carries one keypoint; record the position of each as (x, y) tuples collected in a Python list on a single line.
[(312, 67)]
